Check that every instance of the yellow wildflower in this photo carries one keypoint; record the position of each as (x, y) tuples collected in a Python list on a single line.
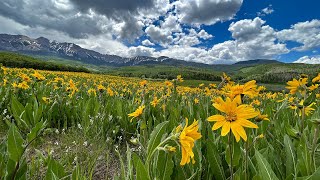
[(316, 79), (25, 77), (4, 69), (295, 85), (45, 99), (179, 78), (249, 89), (143, 83), (101, 88), (23, 85), (261, 117), (168, 83), (313, 87), (38, 76), (155, 101), (92, 91), (137, 112), (110, 92), (234, 117), (187, 138)]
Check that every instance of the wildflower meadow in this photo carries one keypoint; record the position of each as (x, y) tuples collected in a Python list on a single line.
[(67, 125)]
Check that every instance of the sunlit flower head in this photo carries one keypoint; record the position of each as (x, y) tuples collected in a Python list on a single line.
[(136, 113), (143, 83), (25, 77), (38, 76), (187, 137), (307, 109), (316, 79), (168, 83), (23, 85), (155, 101), (313, 87), (179, 78), (262, 117), (249, 89), (92, 91), (235, 117), (296, 85), (45, 99), (101, 88)]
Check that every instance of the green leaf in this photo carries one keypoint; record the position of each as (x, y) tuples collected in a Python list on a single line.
[(15, 144), (304, 159), (314, 176), (11, 165), (213, 157), (55, 170), (290, 157), (155, 137), (264, 167), (22, 171), (36, 131), (310, 99), (236, 154), (164, 165), (141, 169), (18, 111)]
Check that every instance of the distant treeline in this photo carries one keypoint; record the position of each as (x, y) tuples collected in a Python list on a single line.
[(163, 73), (22, 61)]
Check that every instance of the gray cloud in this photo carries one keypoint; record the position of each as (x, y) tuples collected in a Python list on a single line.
[(113, 8), (206, 11), (58, 15)]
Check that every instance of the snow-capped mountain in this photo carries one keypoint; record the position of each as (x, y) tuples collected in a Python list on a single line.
[(43, 46)]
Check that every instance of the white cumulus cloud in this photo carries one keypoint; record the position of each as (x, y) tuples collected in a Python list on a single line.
[(308, 60), (306, 33)]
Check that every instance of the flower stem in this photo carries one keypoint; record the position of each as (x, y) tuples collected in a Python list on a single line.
[(302, 119), (314, 145), (231, 155), (246, 160)]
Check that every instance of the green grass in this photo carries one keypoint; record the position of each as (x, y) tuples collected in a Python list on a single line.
[(22, 61)]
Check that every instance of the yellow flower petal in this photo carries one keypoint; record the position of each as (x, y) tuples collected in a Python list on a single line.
[(225, 128), (218, 124), (216, 118), (246, 123)]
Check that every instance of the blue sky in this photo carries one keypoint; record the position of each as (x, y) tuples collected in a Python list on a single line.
[(207, 31)]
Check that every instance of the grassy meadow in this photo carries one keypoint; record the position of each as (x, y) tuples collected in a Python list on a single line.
[(75, 125)]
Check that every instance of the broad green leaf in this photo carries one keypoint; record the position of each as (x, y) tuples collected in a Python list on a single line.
[(236, 154), (15, 144), (214, 160), (314, 176), (18, 111), (55, 170), (164, 165), (11, 165), (304, 158), (22, 171), (141, 170), (155, 137), (290, 157), (129, 164), (264, 167), (35, 131), (310, 99)]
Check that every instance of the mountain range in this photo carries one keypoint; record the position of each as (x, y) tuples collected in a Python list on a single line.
[(45, 47)]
